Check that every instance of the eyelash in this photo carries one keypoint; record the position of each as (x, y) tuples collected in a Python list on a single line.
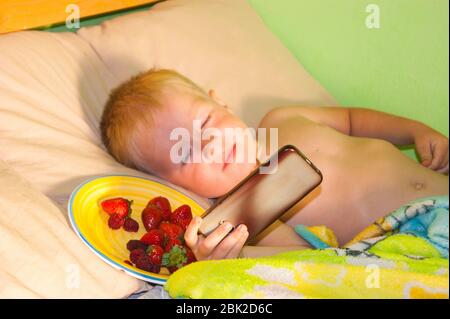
[(190, 149), (206, 121)]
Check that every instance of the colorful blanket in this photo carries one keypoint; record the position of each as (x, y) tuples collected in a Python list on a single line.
[(403, 255)]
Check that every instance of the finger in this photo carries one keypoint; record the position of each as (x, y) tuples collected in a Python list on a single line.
[(236, 250), (443, 170), (191, 234), (209, 243), (425, 154), (439, 152), (444, 164), (226, 245)]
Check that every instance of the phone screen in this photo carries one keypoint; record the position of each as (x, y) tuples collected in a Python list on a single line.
[(260, 199)]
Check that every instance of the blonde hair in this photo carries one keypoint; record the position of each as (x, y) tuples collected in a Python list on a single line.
[(130, 107)]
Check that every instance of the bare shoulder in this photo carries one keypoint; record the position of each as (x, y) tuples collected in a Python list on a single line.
[(278, 115)]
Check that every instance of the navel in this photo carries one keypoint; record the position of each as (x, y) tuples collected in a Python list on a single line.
[(418, 186)]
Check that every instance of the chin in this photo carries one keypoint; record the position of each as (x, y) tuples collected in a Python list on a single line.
[(232, 176), (223, 182)]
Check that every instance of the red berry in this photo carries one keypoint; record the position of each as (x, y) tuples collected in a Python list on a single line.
[(172, 269), (155, 253), (118, 205), (144, 263), (190, 255), (181, 216), (176, 257), (135, 244), (128, 262), (151, 217), (131, 225), (153, 237), (172, 242), (115, 221), (136, 254), (164, 205), (156, 269), (171, 231)]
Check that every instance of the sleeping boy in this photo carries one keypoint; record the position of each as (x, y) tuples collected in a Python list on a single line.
[(365, 175)]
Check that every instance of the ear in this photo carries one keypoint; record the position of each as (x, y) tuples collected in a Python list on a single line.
[(212, 94)]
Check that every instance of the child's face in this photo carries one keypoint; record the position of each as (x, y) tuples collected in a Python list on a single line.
[(205, 179)]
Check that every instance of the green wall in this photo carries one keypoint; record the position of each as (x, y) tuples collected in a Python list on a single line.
[(401, 68)]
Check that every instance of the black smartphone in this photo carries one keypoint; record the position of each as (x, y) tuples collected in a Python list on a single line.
[(260, 199)]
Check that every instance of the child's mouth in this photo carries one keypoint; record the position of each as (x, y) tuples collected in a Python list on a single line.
[(230, 157)]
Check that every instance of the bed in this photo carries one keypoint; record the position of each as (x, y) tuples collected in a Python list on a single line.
[(52, 90)]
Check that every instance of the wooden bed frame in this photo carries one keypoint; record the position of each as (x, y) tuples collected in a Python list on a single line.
[(16, 15)]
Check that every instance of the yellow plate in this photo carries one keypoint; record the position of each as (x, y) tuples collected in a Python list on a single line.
[(90, 222)]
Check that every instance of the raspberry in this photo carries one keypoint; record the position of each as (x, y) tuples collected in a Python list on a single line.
[(128, 262), (156, 269), (131, 225), (172, 269), (135, 244), (144, 263), (115, 221), (136, 254)]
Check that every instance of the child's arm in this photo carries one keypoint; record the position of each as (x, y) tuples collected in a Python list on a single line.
[(431, 145)]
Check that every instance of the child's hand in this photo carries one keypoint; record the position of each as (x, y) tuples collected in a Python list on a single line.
[(216, 245), (432, 147)]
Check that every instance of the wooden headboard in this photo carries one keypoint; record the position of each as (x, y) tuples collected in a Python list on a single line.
[(18, 15)]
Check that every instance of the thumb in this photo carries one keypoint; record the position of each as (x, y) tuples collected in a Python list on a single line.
[(424, 150), (190, 236)]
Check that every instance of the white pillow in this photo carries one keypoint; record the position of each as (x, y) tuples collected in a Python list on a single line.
[(221, 44), (53, 88), (41, 257)]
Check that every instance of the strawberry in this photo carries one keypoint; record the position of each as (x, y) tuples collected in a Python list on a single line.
[(175, 257), (115, 221), (181, 216), (151, 217), (190, 255), (135, 244), (164, 205), (131, 225), (153, 237), (155, 253), (170, 243), (172, 269), (118, 205), (171, 231)]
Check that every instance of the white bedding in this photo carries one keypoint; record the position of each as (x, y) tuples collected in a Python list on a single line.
[(52, 90)]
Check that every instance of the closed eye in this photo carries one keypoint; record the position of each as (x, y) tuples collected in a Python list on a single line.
[(206, 121)]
